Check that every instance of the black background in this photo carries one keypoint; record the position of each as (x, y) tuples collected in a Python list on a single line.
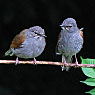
[(16, 15)]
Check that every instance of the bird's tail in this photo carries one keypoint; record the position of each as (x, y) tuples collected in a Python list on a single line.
[(67, 59), (9, 52)]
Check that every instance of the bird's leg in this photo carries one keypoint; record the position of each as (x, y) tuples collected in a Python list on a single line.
[(64, 62), (17, 61), (35, 61), (76, 60)]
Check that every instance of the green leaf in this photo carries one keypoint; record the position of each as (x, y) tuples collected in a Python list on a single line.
[(88, 61), (89, 81), (92, 92), (90, 72)]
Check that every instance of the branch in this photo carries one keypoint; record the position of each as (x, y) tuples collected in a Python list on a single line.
[(48, 62)]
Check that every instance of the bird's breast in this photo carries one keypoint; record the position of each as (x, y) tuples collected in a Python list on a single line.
[(71, 43)]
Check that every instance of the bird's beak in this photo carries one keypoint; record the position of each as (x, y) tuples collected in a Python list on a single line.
[(44, 36), (61, 25)]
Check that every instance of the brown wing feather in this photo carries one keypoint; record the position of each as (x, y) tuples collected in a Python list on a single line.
[(59, 38), (18, 39), (81, 33)]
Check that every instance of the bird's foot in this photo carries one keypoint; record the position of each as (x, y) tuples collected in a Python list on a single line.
[(76, 63), (63, 66), (35, 61), (17, 61)]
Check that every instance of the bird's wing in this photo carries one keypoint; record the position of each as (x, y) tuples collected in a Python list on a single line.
[(81, 34), (19, 39), (59, 38)]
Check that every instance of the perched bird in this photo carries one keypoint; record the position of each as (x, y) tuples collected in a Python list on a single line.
[(29, 43), (70, 41)]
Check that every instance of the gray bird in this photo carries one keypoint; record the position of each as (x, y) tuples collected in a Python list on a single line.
[(29, 43), (70, 41)]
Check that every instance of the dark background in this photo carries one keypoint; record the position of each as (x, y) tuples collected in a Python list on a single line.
[(16, 15)]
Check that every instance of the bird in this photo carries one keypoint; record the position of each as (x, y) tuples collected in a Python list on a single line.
[(29, 43), (70, 41)]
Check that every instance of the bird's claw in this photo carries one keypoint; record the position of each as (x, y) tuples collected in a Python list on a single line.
[(35, 62), (17, 61)]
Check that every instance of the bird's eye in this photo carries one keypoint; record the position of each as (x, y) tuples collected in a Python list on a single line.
[(69, 26), (35, 32)]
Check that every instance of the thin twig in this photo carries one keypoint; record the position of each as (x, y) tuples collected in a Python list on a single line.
[(48, 62)]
